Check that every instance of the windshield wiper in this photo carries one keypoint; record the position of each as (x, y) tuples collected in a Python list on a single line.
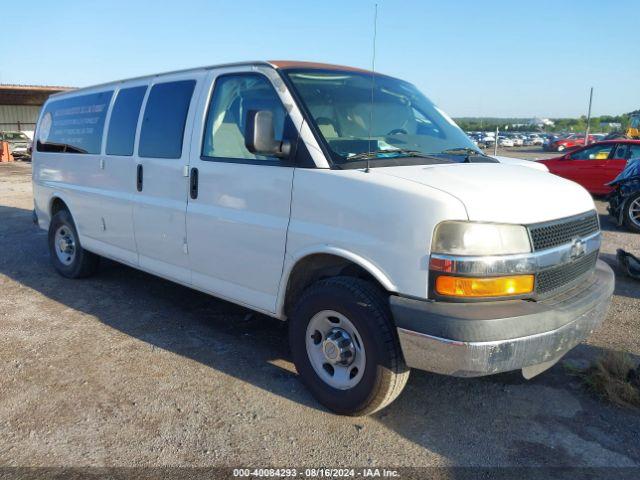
[(395, 153), (463, 150), (466, 151)]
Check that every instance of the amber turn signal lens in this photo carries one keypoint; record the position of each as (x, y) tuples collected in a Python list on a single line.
[(484, 287)]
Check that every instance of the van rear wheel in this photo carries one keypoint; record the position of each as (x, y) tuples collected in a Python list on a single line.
[(67, 255), (345, 347)]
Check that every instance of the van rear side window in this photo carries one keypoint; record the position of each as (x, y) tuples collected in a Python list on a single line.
[(124, 120), (74, 125), (165, 116)]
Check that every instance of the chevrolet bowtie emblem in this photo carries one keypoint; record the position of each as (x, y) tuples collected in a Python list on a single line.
[(578, 248)]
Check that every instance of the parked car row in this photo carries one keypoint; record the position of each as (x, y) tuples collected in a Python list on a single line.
[(550, 142), (510, 139)]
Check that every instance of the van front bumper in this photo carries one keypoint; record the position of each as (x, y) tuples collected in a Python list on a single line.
[(475, 339)]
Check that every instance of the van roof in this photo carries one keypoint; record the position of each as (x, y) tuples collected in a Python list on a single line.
[(277, 64), (293, 64)]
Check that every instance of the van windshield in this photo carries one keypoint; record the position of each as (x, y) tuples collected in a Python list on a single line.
[(378, 118)]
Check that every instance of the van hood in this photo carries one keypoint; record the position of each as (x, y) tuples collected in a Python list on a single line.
[(501, 193)]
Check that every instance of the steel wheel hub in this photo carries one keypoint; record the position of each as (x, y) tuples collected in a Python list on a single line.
[(338, 348), (65, 245), (335, 349)]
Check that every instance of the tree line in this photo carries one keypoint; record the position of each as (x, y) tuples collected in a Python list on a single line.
[(560, 124)]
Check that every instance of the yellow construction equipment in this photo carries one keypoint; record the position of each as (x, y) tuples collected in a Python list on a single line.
[(633, 131)]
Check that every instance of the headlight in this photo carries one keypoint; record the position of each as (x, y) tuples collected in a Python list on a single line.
[(470, 238)]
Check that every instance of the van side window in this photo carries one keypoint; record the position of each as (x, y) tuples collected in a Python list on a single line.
[(124, 120), (233, 96), (165, 116), (73, 125)]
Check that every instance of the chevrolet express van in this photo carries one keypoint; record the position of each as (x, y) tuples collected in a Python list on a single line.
[(340, 200)]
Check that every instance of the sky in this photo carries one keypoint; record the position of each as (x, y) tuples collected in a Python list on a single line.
[(473, 58)]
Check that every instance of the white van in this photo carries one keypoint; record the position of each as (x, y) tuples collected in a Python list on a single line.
[(344, 202)]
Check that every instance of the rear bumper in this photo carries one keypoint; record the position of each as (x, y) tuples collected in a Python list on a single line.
[(468, 340)]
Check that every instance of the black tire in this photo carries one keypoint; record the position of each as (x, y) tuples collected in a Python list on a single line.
[(626, 214), (367, 308), (83, 263)]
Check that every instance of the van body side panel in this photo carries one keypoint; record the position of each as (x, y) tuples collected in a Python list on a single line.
[(98, 201), (112, 227), (42, 197), (237, 225), (73, 178), (385, 222), (237, 231), (117, 173), (159, 209)]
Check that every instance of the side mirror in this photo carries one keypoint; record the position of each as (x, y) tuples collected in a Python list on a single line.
[(260, 137)]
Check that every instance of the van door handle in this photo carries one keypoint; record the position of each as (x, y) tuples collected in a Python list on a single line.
[(139, 177), (193, 183)]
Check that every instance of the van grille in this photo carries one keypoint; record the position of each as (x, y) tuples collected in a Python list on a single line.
[(560, 232), (557, 277)]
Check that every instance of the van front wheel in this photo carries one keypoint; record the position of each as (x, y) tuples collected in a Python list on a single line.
[(345, 347), (67, 255)]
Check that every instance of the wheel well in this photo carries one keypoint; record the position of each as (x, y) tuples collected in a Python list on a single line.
[(315, 267), (56, 205)]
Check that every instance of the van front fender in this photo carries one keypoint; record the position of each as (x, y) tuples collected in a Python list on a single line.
[(292, 260)]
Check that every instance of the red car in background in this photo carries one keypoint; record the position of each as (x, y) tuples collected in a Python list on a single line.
[(570, 142), (595, 165)]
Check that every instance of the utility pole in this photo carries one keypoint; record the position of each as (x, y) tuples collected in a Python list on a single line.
[(495, 145), (586, 135)]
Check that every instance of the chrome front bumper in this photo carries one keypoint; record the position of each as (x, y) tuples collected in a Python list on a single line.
[(574, 315)]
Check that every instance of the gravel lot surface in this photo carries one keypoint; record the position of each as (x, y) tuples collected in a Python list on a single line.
[(127, 369)]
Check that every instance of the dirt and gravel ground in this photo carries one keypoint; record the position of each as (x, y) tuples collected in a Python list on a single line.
[(125, 369)]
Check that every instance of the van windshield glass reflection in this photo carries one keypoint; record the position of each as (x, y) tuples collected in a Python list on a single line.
[(402, 122)]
